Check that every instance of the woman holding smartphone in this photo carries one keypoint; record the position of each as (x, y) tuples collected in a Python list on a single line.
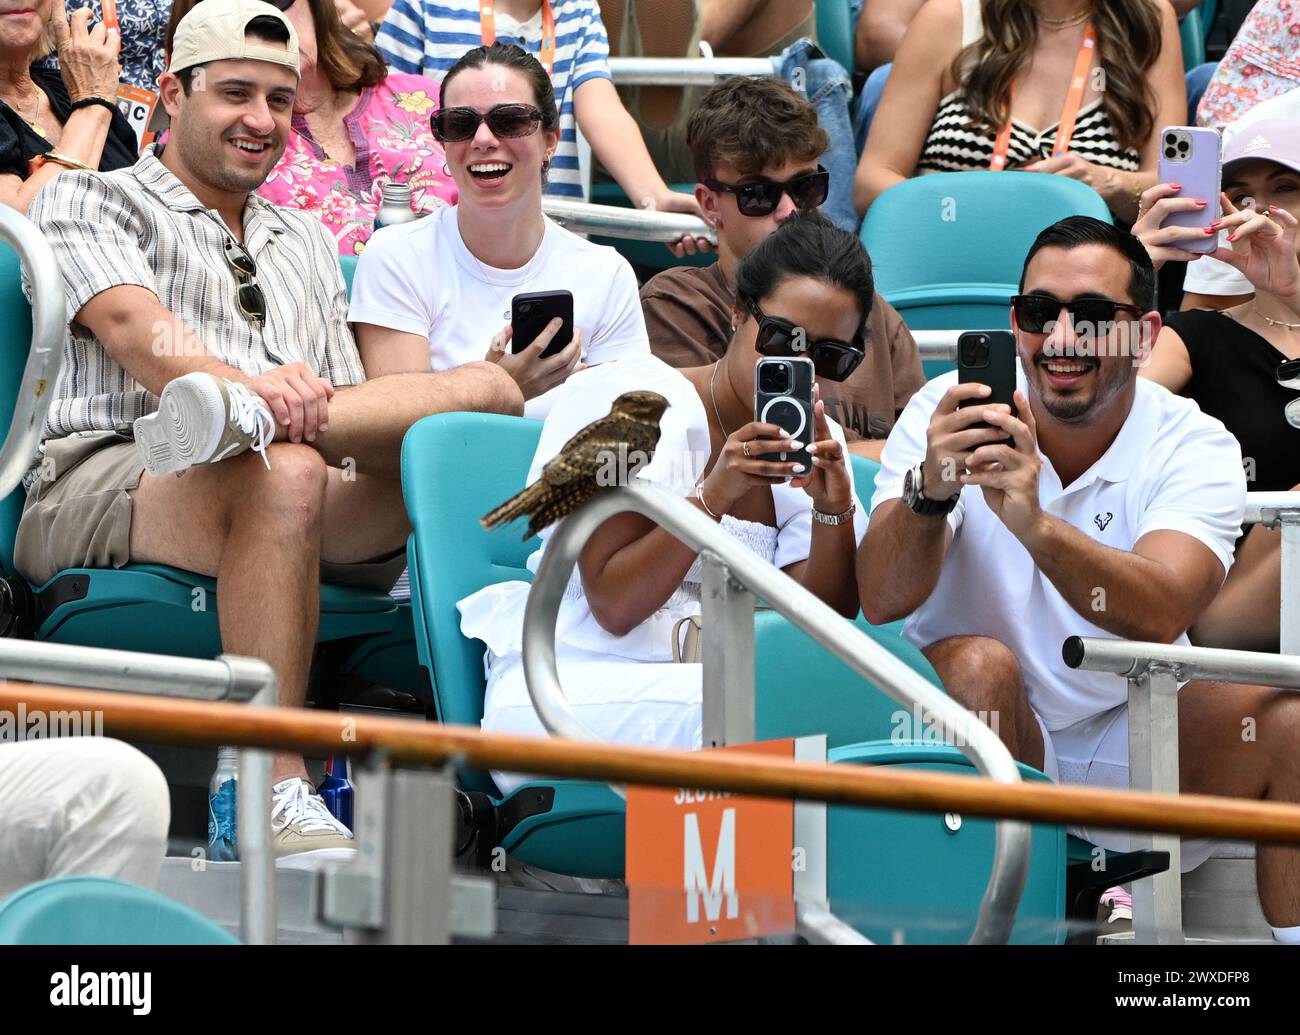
[(805, 291), (1242, 365), (437, 292)]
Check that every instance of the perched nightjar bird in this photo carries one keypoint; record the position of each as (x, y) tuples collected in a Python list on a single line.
[(572, 476)]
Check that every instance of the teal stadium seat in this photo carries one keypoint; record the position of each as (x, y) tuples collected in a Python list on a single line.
[(947, 249), (1194, 31), (100, 911), (835, 31), (162, 610)]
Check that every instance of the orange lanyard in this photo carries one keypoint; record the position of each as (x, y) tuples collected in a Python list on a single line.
[(487, 23), (1073, 99)]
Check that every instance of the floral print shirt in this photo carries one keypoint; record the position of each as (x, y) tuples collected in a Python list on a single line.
[(389, 127), (1262, 61)]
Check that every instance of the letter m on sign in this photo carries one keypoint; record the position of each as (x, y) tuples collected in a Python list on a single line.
[(698, 885)]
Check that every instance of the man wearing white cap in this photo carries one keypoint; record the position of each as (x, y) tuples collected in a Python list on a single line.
[(208, 336)]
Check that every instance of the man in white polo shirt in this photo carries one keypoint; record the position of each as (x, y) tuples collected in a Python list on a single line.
[(1112, 513)]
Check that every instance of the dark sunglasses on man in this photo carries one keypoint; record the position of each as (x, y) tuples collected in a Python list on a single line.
[(760, 197), (833, 359), (506, 121), (249, 296), (1088, 316)]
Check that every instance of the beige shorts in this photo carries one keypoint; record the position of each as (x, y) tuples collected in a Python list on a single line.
[(78, 515)]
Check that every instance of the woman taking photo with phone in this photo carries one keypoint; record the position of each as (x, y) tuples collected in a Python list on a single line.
[(805, 291), (1242, 365), (438, 292)]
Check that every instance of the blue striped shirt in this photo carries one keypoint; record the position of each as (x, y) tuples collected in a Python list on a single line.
[(427, 37)]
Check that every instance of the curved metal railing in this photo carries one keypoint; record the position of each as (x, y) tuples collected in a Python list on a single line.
[(737, 564), (627, 223), (44, 356)]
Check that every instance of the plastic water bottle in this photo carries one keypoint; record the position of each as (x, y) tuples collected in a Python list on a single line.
[(336, 790), (395, 206), (223, 840)]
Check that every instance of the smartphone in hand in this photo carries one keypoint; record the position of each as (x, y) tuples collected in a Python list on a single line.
[(988, 358), (783, 395), (1189, 155), (532, 311)]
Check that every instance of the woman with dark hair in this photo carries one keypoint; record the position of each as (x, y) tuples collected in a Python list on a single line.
[(435, 292), (1078, 88), (355, 128), (804, 291)]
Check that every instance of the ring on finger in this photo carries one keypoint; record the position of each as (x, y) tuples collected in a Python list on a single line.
[(744, 448)]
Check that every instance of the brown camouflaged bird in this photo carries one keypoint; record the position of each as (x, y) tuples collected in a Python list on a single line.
[(573, 475)]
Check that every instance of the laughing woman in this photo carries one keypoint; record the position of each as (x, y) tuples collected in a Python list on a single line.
[(634, 581), (437, 292)]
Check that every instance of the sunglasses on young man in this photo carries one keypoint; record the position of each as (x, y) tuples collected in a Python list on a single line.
[(249, 296), (760, 197), (833, 359), (506, 121), (1088, 316)]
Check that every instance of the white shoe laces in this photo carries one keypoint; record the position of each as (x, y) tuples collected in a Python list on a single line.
[(296, 805), (250, 415)]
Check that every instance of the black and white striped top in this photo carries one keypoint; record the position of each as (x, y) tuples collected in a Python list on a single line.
[(954, 145)]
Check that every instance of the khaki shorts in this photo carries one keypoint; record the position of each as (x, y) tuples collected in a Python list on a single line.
[(78, 515)]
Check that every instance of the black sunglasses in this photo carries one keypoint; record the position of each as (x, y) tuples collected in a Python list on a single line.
[(760, 197), (833, 359), (249, 296), (1288, 376), (453, 125), (1089, 317)]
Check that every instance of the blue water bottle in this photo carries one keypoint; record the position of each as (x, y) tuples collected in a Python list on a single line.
[(336, 790), (223, 840)]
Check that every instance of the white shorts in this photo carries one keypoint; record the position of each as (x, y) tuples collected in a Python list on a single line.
[(1094, 752)]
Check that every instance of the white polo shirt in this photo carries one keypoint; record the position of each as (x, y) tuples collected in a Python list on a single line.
[(1170, 467)]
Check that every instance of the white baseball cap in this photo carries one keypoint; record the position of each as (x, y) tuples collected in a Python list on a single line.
[(1272, 140), (214, 30)]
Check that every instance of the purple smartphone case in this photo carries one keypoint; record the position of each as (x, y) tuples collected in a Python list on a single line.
[(1199, 176)]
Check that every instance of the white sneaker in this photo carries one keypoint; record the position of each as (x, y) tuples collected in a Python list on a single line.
[(202, 419), (302, 827)]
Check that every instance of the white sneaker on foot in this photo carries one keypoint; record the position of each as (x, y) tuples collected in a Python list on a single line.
[(302, 827), (202, 419)]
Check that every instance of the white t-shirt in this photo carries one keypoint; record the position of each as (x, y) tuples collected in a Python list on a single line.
[(1170, 467), (420, 278), (1208, 276)]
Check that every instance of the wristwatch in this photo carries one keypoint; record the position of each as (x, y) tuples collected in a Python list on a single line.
[(916, 500), (835, 519)]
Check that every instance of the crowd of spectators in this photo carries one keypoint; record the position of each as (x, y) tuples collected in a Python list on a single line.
[(199, 168)]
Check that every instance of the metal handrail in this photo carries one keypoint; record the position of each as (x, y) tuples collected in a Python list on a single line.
[(937, 345), (44, 355), (631, 224), (804, 610), (683, 71), (1131, 658)]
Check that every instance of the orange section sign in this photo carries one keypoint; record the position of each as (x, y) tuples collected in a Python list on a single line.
[(709, 866)]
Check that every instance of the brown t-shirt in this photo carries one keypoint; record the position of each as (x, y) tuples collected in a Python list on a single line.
[(688, 317)]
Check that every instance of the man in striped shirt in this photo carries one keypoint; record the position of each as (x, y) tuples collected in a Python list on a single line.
[(182, 283), (567, 36)]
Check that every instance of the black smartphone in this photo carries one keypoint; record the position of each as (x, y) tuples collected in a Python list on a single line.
[(532, 311), (783, 395), (988, 358)]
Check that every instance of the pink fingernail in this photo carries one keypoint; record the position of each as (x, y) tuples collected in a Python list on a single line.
[(1202, 202), (1232, 236), (1211, 230), (1176, 186)]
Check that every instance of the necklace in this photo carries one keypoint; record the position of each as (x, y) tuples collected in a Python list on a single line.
[(1277, 323), (38, 130), (1063, 23), (714, 399)]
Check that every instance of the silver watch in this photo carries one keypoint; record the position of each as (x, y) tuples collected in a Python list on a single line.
[(835, 519)]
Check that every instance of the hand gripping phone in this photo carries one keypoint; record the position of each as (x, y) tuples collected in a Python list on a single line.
[(532, 311), (783, 395), (988, 358), (1190, 156)]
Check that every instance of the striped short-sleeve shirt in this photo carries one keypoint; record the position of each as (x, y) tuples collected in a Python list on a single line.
[(427, 37), (142, 226)]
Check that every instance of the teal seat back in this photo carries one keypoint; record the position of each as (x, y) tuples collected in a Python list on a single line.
[(835, 31), (348, 263), (966, 228), (100, 911), (1194, 31), (455, 468), (16, 315)]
